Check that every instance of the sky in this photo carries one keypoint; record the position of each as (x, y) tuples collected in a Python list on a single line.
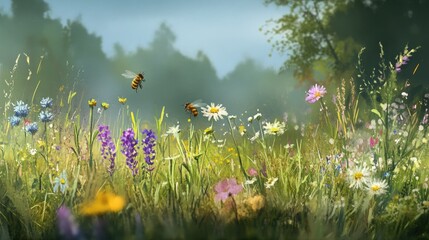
[(227, 31)]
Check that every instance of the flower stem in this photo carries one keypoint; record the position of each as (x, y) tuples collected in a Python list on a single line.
[(238, 150), (91, 116)]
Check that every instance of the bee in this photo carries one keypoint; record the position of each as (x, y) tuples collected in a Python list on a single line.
[(192, 107), (138, 78)]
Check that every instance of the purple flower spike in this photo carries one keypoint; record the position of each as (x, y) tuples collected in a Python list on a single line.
[(149, 143), (129, 149), (108, 148), (66, 223), (227, 188)]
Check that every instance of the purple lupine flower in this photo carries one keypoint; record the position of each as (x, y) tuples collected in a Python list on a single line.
[(108, 149), (129, 149), (66, 223), (149, 143)]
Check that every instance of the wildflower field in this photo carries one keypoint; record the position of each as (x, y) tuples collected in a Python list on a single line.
[(358, 171)]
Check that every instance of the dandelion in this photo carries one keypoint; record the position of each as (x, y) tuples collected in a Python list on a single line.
[(129, 149), (275, 128), (214, 111), (149, 143), (108, 149), (21, 109), (270, 182), (377, 187), (227, 188), (46, 102), (92, 103), (67, 226), (32, 128), (14, 121), (46, 116), (61, 182), (358, 177), (104, 202), (315, 93), (122, 100)]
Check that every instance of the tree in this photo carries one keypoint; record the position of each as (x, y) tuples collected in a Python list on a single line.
[(332, 32), (304, 33)]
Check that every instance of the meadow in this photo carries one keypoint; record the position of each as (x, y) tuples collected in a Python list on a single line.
[(359, 170)]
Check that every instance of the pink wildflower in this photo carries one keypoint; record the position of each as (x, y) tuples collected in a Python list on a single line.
[(315, 93), (226, 188), (373, 142)]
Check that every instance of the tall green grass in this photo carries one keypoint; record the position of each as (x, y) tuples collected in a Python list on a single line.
[(297, 184)]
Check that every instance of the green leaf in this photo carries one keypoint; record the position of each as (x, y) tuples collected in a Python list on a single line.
[(376, 112)]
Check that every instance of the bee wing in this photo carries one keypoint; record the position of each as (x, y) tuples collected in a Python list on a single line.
[(198, 103), (129, 74)]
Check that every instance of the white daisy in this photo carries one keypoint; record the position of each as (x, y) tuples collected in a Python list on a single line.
[(358, 176), (214, 111), (275, 128), (250, 181), (173, 131), (377, 187)]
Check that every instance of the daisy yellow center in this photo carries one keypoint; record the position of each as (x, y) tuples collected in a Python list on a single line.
[(358, 176), (275, 129), (62, 181), (214, 110), (317, 94), (375, 188)]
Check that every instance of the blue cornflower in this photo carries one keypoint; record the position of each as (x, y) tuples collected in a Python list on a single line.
[(129, 149), (108, 149), (46, 102), (14, 121), (46, 116), (61, 182), (32, 128), (21, 109), (149, 143)]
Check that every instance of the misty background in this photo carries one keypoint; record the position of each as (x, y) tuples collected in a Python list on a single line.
[(220, 56), (227, 52)]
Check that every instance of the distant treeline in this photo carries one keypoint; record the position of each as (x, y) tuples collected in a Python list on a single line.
[(68, 57)]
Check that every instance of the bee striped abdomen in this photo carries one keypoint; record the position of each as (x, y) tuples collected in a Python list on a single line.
[(137, 81)]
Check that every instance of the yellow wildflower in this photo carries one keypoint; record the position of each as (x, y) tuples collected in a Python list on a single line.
[(242, 130), (122, 100), (104, 202), (105, 105), (92, 102), (208, 131)]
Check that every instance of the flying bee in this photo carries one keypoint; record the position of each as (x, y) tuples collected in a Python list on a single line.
[(192, 107), (138, 78)]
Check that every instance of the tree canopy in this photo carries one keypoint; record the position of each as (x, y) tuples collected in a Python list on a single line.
[(332, 32)]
